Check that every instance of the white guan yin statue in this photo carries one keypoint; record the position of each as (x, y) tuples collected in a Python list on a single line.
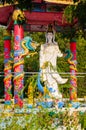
[(48, 64)]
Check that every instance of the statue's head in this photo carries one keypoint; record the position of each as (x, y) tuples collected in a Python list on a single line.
[(50, 34)]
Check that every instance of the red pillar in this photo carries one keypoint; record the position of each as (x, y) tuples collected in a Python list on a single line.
[(7, 68), (73, 70), (18, 66)]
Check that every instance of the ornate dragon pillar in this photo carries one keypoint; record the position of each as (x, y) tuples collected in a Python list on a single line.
[(73, 70), (7, 68), (18, 61)]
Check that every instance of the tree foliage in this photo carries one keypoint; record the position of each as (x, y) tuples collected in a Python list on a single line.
[(77, 11)]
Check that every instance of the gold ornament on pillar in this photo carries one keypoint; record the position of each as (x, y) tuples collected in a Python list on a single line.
[(19, 16), (7, 33)]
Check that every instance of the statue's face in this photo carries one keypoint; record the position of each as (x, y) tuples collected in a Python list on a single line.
[(50, 36)]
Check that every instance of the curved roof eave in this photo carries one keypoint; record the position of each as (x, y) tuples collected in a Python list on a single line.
[(66, 2)]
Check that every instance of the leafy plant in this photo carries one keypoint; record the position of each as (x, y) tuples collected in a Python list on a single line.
[(82, 119), (39, 119)]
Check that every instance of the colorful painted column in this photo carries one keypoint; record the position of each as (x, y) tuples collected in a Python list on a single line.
[(7, 68), (18, 66), (19, 19), (73, 70)]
